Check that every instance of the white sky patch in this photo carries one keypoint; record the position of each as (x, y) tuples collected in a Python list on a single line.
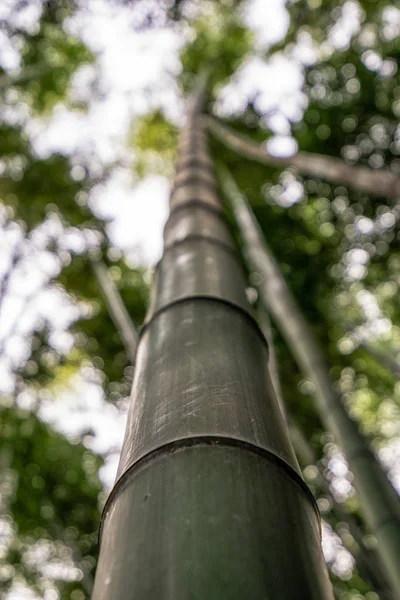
[(391, 22), (32, 269), (364, 225), (356, 261), (25, 17), (7, 380), (376, 326), (341, 561), (9, 56), (390, 457), (100, 131), (20, 592), (130, 61), (269, 21), (282, 146), (305, 50), (135, 73), (346, 26), (275, 87), (288, 191), (139, 212), (81, 407), (277, 123)]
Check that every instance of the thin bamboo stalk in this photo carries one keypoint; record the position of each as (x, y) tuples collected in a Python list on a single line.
[(117, 309), (367, 561), (380, 503), (384, 358)]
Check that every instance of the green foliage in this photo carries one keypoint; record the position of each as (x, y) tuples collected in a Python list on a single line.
[(95, 334), (154, 139), (50, 179), (50, 57), (56, 57), (44, 509), (220, 42)]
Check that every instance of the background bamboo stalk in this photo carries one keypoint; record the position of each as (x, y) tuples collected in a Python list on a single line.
[(117, 309), (367, 561), (387, 360), (379, 500)]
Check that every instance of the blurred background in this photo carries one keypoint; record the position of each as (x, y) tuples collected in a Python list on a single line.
[(92, 96)]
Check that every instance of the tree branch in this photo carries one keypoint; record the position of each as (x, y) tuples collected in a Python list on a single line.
[(29, 73), (265, 325), (329, 168)]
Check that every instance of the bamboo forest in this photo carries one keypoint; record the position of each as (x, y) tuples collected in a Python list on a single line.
[(199, 300)]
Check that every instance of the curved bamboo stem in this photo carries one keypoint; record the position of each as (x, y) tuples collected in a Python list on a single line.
[(384, 358), (367, 560), (380, 503), (117, 309)]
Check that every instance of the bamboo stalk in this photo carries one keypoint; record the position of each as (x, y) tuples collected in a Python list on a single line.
[(367, 560), (329, 168), (117, 309), (384, 358), (380, 503), (209, 501)]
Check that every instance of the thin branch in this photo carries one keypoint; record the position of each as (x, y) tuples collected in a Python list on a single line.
[(29, 73), (117, 309), (329, 168)]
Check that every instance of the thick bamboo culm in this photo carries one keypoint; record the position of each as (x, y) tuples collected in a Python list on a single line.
[(209, 501)]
